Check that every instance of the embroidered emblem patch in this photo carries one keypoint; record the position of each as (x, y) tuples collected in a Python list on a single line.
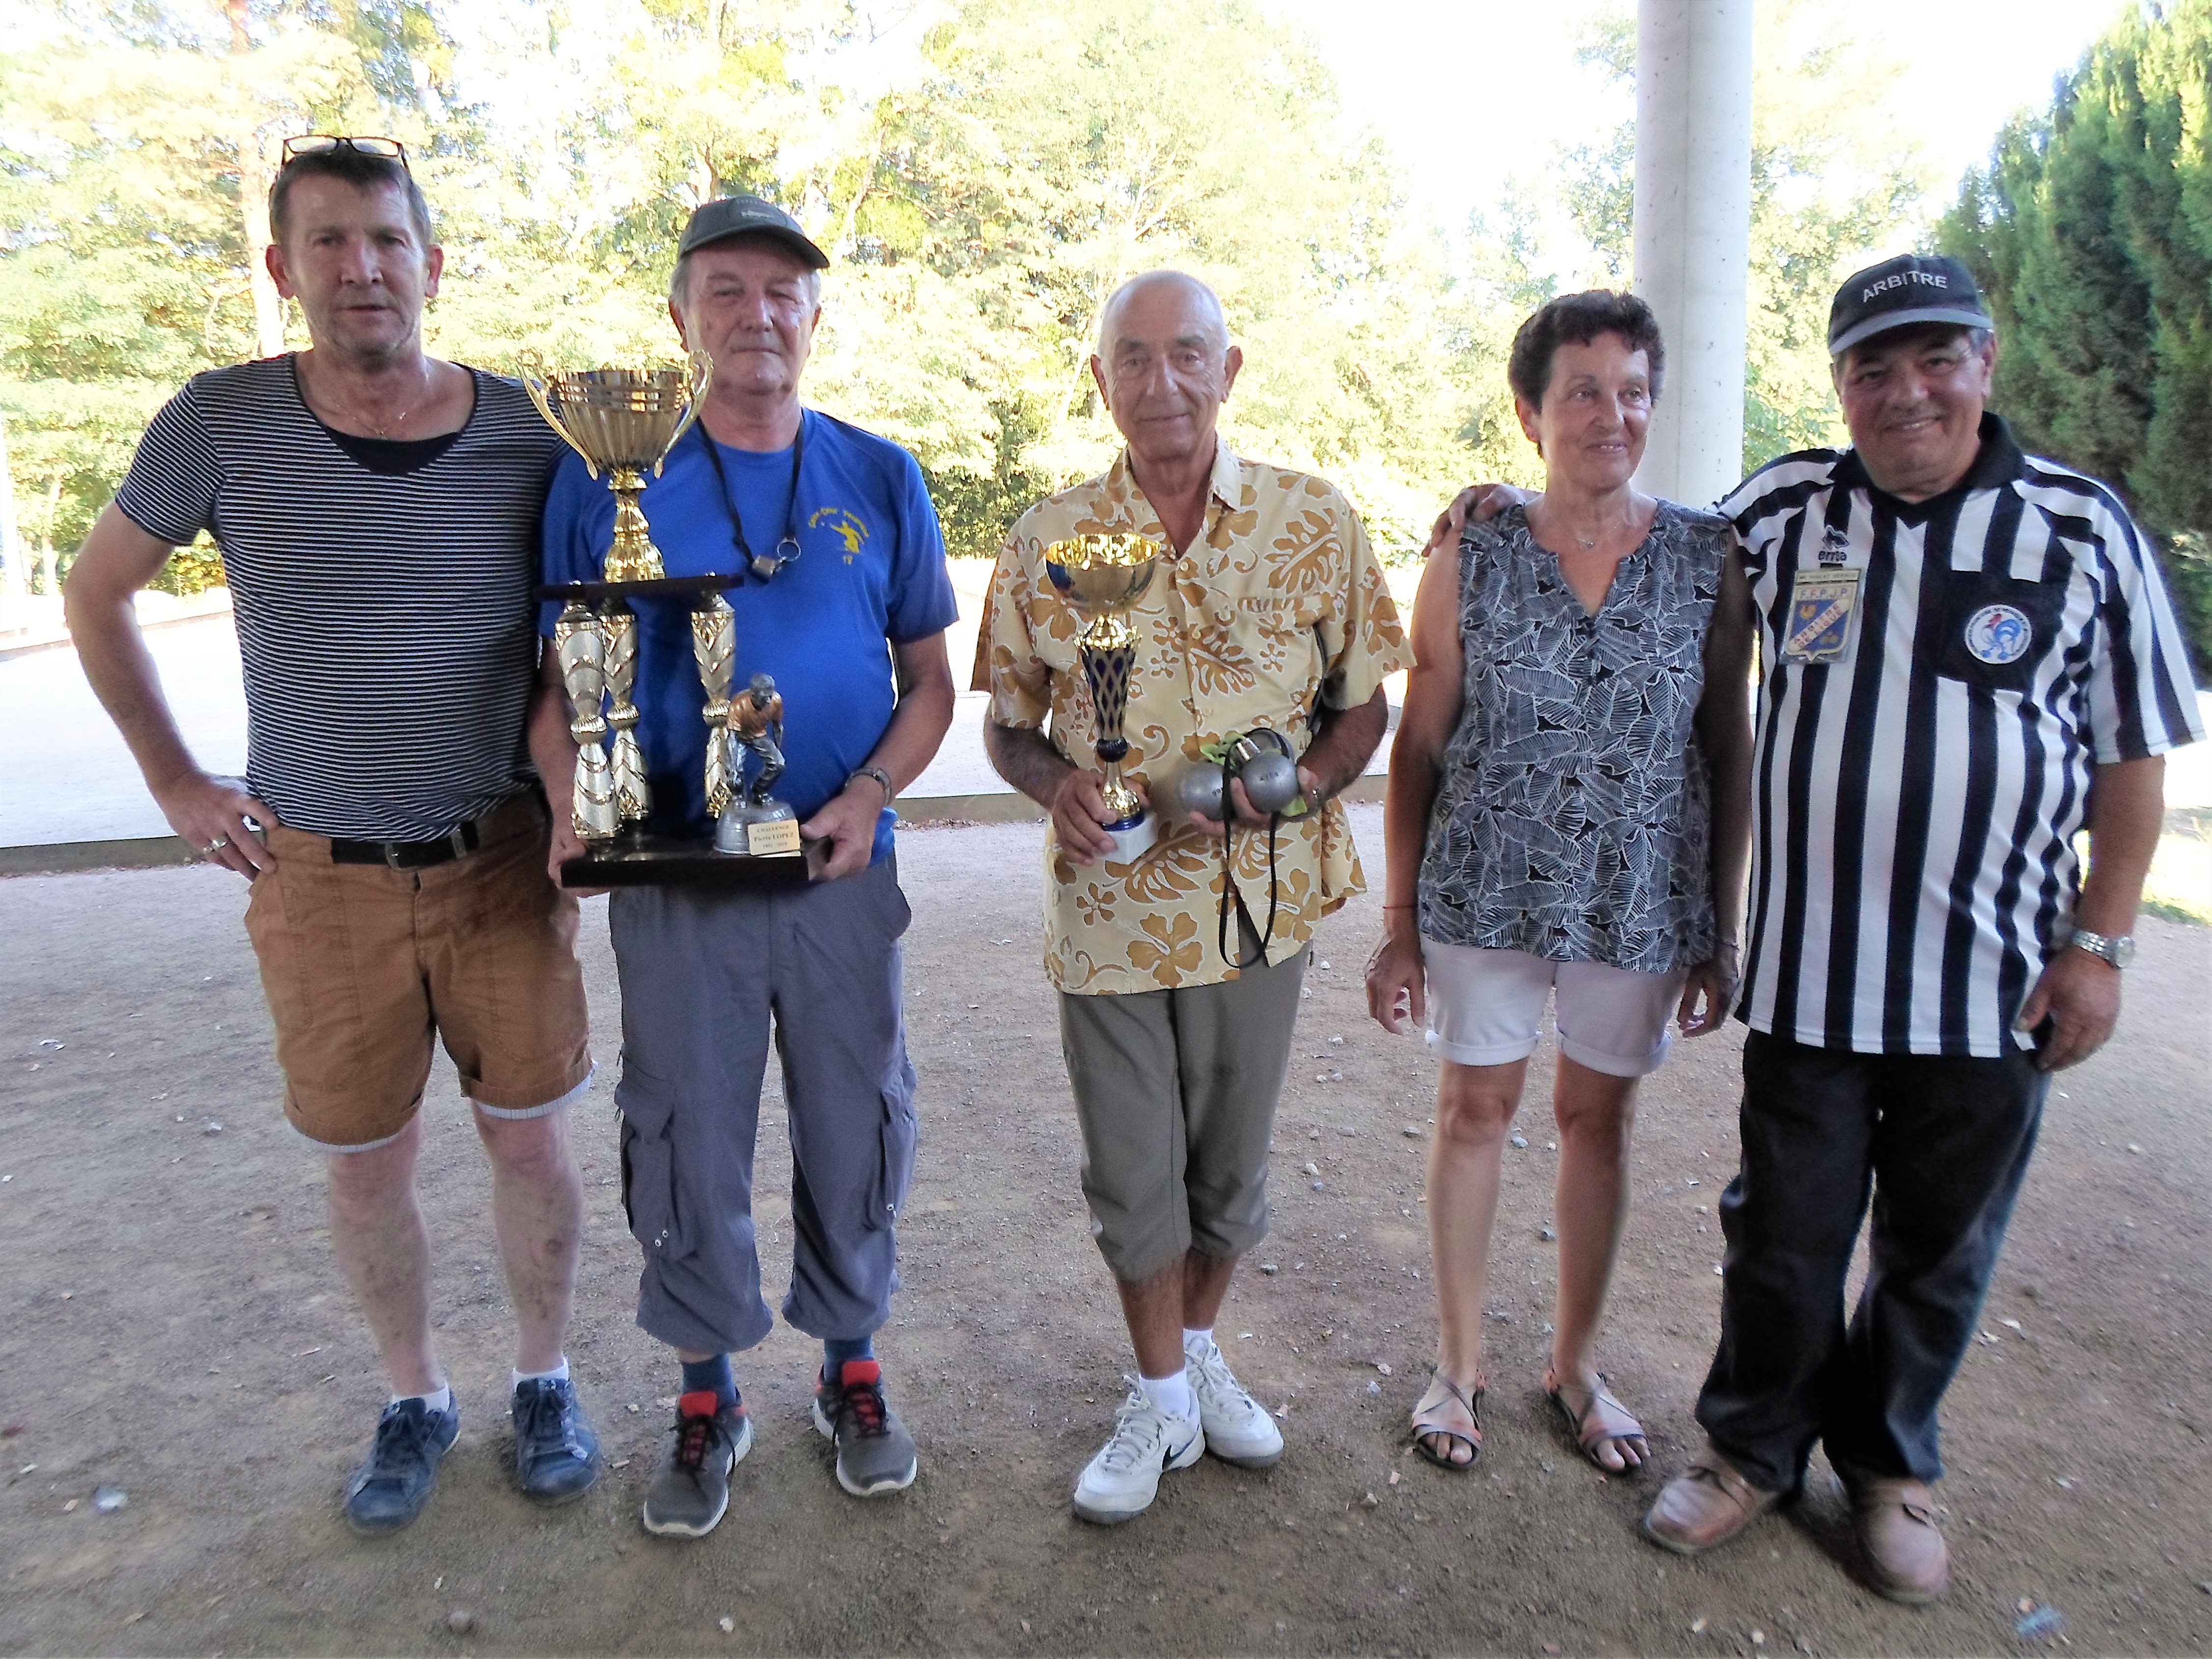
[(1999, 633), (1822, 606)]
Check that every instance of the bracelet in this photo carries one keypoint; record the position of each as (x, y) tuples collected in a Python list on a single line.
[(879, 775), (1401, 907)]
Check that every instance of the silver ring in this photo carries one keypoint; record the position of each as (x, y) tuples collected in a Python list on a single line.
[(215, 846)]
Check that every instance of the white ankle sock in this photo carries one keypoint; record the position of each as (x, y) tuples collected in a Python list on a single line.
[(1188, 1335), (1171, 1394), (558, 1374), (439, 1399)]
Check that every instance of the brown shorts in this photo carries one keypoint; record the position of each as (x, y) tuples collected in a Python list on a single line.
[(362, 963), (1175, 1094)]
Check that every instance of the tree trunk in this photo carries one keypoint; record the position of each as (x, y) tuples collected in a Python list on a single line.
[(254, 178), (11, 544), (50, 559)]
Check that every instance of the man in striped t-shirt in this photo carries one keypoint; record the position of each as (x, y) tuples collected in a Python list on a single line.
[(1968, 658), (377, 511)]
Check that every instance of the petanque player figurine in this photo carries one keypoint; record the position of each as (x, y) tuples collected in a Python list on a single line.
[(1967, 658), (1179, 972), (841, 599), (389, 823), (756, 721)]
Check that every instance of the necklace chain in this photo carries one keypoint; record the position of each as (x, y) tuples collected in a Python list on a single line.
[(398, 420), (1586, 543)]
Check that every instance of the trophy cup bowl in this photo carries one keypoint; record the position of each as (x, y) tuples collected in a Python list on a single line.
[(1103, 577), (622, 422)]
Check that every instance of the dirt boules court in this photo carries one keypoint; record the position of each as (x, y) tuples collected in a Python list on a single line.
[(173, 1328)]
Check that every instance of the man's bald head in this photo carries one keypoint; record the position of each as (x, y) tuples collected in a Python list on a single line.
[(1164, 366), (1202, 303)]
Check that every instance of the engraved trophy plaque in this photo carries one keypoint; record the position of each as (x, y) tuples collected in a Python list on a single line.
[(623, 422), (1101, 578)]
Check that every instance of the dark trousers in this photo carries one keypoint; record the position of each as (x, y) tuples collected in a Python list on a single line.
[(709, 977), (1941, 1146)]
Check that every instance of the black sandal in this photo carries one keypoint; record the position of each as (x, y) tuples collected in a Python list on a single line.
[(1430, 1421)]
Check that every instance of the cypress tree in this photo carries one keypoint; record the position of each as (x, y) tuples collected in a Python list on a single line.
[(2091, 232)]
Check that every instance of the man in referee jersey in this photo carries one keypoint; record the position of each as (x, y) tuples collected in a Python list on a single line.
[(1968, 657), (377, 511)]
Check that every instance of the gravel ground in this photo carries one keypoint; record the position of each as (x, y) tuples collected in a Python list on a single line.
[(172, 1327)]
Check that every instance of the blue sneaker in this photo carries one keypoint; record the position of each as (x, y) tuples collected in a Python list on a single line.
[(390, 1489), (557, 1455)]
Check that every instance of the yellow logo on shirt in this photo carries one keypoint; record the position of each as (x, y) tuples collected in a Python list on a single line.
[(848, 526)]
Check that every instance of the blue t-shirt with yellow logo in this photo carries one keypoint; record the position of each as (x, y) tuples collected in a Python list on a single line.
[(870, 575)]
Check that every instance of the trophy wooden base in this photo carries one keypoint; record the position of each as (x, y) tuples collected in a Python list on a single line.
[(658, 588), (667, 862)]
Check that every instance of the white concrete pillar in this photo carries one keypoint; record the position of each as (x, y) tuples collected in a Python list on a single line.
[(1693, 61)]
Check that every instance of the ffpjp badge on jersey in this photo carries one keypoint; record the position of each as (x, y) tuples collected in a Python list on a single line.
[(1999, 633), (1823, 608)]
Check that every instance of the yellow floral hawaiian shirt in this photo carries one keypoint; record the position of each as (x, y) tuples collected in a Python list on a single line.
[(1277, 607)]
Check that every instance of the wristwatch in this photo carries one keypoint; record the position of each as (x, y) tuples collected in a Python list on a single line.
[(879, 774), (2118, 951)]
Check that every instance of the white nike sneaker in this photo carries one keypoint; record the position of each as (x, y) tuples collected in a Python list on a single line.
[(1121, 1481), (1238, 1427)]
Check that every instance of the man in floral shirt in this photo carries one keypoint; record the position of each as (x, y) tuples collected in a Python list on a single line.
[(1270, 612)]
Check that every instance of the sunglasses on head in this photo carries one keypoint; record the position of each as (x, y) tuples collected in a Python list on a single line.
[(323, 143)]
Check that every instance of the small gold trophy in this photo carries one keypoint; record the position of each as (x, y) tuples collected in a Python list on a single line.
[(1101, 578), (623, 421)]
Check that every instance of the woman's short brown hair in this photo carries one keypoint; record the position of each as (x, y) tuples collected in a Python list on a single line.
[(1576, 319)]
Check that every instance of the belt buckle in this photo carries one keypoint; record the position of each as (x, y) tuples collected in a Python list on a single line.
[(391, 857)]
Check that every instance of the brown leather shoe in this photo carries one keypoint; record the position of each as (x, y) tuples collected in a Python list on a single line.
[(1907, 1558), (1707, 1504)]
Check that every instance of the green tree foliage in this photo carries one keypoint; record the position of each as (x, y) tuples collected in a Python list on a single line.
[(1832, 189), (133, 147), (980, 209), (2090, 231), (979, 212)]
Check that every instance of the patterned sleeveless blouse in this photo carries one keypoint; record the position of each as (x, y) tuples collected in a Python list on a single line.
[(1572, 820)]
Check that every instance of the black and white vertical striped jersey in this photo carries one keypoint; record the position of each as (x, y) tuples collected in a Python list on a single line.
[(386, 621), (1914, 804)]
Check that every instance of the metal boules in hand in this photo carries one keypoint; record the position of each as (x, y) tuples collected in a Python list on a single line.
[(1200, 792), (1260, 759), (1270, 780)]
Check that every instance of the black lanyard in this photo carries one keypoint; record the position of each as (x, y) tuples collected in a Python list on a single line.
[(1231, 894), (762, 565)]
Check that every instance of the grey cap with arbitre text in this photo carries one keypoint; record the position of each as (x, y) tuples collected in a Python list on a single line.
[(748, 215), (1913, 287)]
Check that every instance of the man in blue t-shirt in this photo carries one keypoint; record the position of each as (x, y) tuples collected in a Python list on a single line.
[(838, 580)]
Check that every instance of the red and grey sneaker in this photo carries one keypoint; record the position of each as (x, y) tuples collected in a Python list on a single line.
[(875, 1454), (691, 1487)]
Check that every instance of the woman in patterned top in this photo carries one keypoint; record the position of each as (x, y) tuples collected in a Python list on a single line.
[(1567, 817)]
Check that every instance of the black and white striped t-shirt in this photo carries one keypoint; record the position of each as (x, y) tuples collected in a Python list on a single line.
[(1914, 805), (386, 621)]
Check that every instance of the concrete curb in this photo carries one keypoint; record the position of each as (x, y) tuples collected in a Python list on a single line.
[(12, 648), (62, 858)]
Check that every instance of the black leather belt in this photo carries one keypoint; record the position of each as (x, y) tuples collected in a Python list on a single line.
[(408, 854)]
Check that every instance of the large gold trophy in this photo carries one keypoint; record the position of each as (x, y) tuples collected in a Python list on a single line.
[(623, 421), (1101, 578)]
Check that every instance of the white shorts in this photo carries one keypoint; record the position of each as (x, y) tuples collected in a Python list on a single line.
[(1485, 1008)]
